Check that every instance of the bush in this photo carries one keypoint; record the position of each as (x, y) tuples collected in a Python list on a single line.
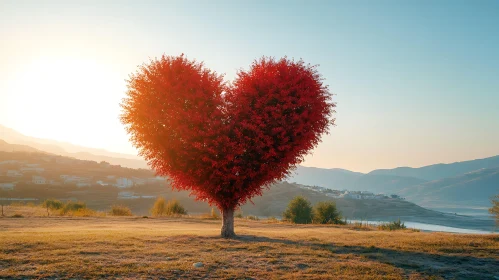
[(299, 211), (53, 204), (272, 219), (17, 216), (120, 210), (161, 208), (239, 213), (494, 210), (72, 207), (254, 218), (326, 213), (395, 225), (173, 207)]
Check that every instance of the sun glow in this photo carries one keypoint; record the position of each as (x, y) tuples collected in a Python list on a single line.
[(64, 98)]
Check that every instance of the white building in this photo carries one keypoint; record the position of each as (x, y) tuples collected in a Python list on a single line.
[(7, 186), (102, 183), (139, 181), (74, 179), (9, 162), (38, 180), (14, 173), (127, 195), (124, 183), (34, 169)]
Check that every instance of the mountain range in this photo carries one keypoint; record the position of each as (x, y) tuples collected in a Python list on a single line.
[(460, 184)]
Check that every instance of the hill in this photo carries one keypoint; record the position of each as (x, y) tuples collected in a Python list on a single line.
[(467, 190), (70, 150), (340, 179), (440, 171), (6, 147)]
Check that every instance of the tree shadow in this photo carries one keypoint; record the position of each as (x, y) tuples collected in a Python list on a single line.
[(445, 266)]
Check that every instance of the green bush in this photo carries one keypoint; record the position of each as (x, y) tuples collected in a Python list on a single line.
[(254, 218), (395, 225), (326, 213), (72, 207), (52, 204), (120, 210), (239, 213), (173, 207), (299, 211), (162, 208)]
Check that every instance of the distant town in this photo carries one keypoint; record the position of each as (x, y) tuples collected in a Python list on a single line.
[(51, 170), (349, 194)]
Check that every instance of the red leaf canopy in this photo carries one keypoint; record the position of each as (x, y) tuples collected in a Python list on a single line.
[(225, 142)]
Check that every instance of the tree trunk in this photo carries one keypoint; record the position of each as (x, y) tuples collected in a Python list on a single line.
[(228, 223)]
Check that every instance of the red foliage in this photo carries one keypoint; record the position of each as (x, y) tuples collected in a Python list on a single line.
[(225, 142)]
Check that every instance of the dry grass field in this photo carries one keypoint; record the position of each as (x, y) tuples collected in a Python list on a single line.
[(148, 248)]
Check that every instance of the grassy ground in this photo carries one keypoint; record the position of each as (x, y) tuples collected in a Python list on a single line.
[(134, 247)]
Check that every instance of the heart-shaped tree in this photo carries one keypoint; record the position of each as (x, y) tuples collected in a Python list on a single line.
[(225, 142)]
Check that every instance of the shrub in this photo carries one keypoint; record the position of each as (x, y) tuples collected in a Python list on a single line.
[(162, 208), (239, 213), (173, 207), (494, 210), (120, 210), (272, 219), (159, 207), (299, 211), (395, 225), (326, 213), (52, 204), (254, 218), (72, 207), (17, 216)]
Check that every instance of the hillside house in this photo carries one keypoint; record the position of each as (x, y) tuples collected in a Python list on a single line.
[(102, 183), (124, 183), (32, 169), (127, 195), (38, 180), (13, 173), (9, 162), (68, 179), (138, 181), (7, 186)]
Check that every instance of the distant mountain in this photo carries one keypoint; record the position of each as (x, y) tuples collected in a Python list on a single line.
[(440, 171), (472, 189), (67, 149), (341, 179), (329, 178), (6, 147), (387, 184)]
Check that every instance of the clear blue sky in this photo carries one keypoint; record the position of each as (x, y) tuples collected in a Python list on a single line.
[(416, 82)]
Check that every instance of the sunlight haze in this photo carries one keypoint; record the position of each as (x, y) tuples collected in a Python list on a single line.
[(430, 95)]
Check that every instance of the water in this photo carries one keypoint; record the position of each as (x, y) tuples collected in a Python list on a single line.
[(430, 227)]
